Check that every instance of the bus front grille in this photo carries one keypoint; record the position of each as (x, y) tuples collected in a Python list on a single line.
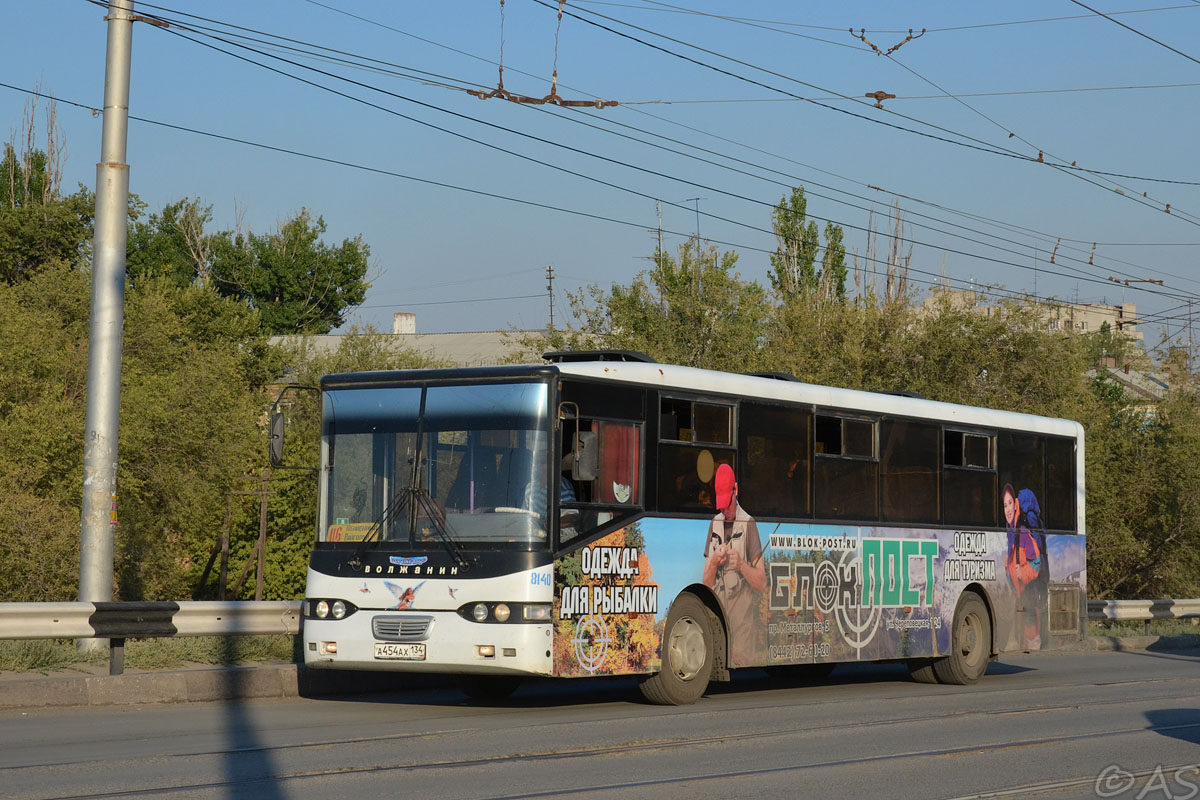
[(402, 629)]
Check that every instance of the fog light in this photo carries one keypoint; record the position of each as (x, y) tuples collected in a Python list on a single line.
[(479, 612), (339, 609), (322, 609), (536, 613), (329, 648), (501, 613), (486, 650)]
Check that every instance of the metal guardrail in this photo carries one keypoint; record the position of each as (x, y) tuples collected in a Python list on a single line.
[(119, 621), (1121, 610)]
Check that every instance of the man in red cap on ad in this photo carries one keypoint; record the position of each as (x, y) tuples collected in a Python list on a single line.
[(733, 569)]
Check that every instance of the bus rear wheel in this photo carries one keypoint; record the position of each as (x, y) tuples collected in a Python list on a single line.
[(970, 643), (687, 655)]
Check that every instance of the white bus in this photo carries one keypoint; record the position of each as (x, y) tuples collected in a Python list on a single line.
[(603, 514)]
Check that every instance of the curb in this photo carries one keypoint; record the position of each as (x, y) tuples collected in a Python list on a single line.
[(1177, 642), (202, 685), (289, 680)]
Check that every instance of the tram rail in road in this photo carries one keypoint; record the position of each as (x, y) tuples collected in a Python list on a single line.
[(1038, 725)]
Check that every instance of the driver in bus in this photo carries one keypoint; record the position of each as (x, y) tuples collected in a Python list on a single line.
[(734, 570)]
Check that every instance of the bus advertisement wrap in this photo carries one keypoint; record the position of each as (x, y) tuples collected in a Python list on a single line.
[(828, 593)]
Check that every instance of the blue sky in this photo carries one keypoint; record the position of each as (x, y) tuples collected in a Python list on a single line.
[(468, 261)]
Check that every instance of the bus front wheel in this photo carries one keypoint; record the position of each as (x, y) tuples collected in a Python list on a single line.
[(970, 643), (687, 655)]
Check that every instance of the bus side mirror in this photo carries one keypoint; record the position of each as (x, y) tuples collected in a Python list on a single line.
[(586, 457), (275, 438), (275, 427)]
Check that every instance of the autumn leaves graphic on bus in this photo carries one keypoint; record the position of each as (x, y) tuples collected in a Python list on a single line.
[(605, 607)]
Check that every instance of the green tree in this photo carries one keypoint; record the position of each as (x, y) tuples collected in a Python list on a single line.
[(172, 243), (794, 263), (999, 357), (693, 310), (190, 429), (860, 345), (833, 262), (43, 384), (297, 283), (38, 226), (1143, 496)]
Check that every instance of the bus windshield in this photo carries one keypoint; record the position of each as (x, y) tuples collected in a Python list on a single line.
[(410, 465)]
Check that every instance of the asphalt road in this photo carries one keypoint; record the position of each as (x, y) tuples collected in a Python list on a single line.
[(1057, 725)]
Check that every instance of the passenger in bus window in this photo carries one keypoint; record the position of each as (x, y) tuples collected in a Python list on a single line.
[(733, 569)]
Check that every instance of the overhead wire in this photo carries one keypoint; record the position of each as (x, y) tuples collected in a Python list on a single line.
[(903, 97), (667, 7), (693, 129), (1011, 132), (611, 185), (707, 215), (1158, 42), (1072, 169), (938, 281), (1079, 276), (947, 93), (648, 133), (967, 140)]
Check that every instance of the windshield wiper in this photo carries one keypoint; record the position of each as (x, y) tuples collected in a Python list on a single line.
[(416, 501)]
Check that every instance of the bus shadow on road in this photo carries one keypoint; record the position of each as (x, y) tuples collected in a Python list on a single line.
[(429, 690), (1176, 723)]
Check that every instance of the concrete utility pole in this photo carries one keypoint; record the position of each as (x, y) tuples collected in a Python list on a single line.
[(108, 302)]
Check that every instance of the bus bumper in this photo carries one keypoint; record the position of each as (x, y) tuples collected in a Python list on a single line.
[(450, 644)]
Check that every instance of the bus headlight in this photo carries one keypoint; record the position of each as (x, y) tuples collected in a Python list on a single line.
[(327, 608), (513, 613), (536, 613)]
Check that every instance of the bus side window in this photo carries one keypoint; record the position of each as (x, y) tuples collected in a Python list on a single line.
[(846, 468), (619, 478), (1059, 505), (968, 479), (908, 455), (775, 446)]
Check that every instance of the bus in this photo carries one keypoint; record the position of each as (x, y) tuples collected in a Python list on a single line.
[(602, 514)]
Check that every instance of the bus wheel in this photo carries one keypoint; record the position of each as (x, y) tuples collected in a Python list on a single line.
[(970, 643), (488, 688), (921, 670), (687, 655)]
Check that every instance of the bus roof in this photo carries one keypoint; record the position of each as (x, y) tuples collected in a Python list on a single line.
[(674, 378), (670, 377)]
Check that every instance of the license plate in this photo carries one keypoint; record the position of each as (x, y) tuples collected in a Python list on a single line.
[(400, 652)]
